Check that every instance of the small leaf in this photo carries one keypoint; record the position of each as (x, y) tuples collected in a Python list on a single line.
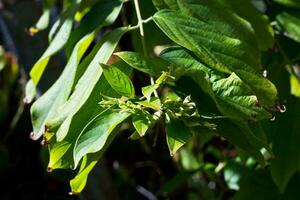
[(142, 121), (177, 135), (118, 80), (154, 103), (295, 86), (289, 22), (149, 90), (138, 61)]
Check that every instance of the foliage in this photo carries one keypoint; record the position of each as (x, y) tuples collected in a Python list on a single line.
[(207, 67)]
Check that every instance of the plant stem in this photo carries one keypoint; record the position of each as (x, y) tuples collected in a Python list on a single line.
[(140, 23), (142, 34)]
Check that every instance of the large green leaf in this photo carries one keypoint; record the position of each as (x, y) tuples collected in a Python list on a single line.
[(94, 136), (263, 30), (177, 135), (233, 97), (48, 104), (56, 44), (118, 80), (103, 13), (289, 22), (92, 74), (217, 50), (82, 105)]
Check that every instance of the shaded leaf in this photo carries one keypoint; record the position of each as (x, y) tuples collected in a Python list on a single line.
[(263, 30), (289, 22), (177, 135), (118, 80), (290, 3)]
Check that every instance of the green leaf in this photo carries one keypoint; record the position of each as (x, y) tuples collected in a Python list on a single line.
[(232, 97), (47, 106), (295, 86), (258, 183), (177, 135), (87, 164), (43, 22), (58, 42), (290, 3), (163, 4), (2, 58), (142, 121), (220, 50), (93, 72), (149, 90), (154, 103), (118, 80), (82, 105), (139, 62), (103, 13), (94, 136), (263, 30), (285, 137), (289, 22)]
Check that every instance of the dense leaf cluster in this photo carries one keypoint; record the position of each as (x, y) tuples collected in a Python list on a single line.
[(219, 48)]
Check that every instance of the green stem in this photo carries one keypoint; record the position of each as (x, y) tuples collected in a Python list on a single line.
[(142, 34)]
